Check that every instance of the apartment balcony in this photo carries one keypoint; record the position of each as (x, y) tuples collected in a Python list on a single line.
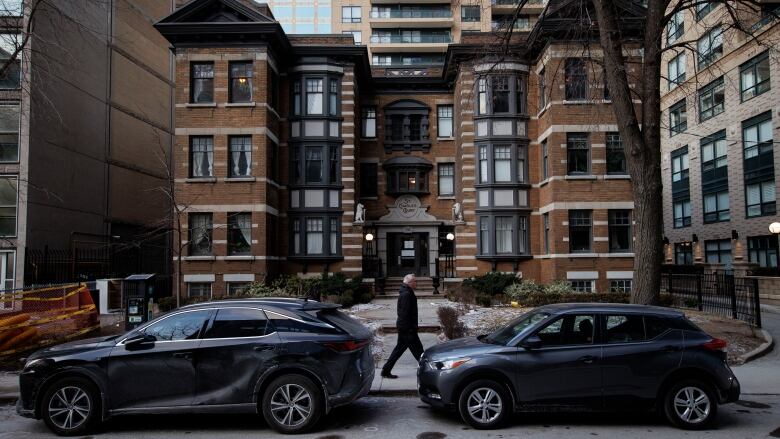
[(412, 18), (409, 43), (508, 6), (412, 2)]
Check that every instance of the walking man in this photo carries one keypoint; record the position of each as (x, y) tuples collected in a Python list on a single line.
[(407, 326)]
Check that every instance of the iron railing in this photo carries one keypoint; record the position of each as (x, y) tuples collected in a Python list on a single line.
[(410, 39), (413, 13)]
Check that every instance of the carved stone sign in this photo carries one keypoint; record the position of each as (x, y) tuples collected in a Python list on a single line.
[(407, 206)]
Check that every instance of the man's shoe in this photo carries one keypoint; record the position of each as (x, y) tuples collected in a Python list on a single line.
[(389, 375)]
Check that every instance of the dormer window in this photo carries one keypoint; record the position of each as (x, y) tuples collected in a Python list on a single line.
[(406, 126)]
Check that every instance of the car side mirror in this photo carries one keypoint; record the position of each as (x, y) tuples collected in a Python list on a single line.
[(531, 343), (140, 341)]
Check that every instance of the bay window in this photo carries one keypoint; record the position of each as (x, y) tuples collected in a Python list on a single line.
[(314, 104)]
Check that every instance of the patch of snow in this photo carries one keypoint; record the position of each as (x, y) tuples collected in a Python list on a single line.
[(365, 307)]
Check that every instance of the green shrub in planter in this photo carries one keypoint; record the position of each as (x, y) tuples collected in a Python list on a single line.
[(491, 283)]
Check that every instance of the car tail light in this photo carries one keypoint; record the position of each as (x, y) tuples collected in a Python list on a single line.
[(716, 344), (346, 346)]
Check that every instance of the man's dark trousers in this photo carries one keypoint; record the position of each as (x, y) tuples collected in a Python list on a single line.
[(407, 329)]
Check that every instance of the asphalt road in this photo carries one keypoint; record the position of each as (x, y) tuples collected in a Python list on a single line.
[(757, 416)]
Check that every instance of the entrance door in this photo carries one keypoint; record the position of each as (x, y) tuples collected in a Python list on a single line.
[(407, 254)]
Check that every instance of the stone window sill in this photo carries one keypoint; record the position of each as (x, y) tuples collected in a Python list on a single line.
[(578, 102), (240, 258), (240, 104), (617, 177), (202, 105), (580, 177), (446, 197), (239, 179), (201, 180), (200, 258)]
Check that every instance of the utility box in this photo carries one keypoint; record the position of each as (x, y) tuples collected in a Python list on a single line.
[(138, 292)]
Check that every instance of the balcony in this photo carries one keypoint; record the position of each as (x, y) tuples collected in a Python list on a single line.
[(531, 6), (411, 42), (414, 18)]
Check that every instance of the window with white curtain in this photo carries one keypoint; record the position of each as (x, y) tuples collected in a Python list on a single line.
[(314, 236), (201, 156), (484, 234), (334, 236), (314, 96), (314, 165), (240, 156), (202, 82), (483, 164), (503, 234), (239, 233), (200, 233), (502, 163)]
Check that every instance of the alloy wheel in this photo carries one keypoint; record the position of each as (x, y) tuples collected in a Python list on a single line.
[(69, 407), (484, 405), (291, 405), (692, 405)]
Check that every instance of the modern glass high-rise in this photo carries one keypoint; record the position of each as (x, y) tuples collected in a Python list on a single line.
[(302, 16)]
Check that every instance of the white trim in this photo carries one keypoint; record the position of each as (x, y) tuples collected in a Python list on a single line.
[(199, 278), (582, 275), (620, 275), (235, 277)]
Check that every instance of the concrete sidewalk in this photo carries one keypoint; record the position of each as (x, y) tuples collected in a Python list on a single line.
[(405, 368)]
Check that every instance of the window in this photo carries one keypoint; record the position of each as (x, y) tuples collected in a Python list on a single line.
[(314, 165), (607, 95), (683, 253), (482, 96), (761, 198), (333, 97), (620, 286), (182, 326), (676, 27), (356, 35), (757, 136), (240, 81), (199, 289), (469, 13), (350, 14), (718, 251), (297, 98), (763, 251), (710, 47), (11, 8), (334, 236), (369, 122), (202, 83), (676, 70), (333, 173), (578, 153), (632, 328), (616, 155), (546, 225), (483, 164), (446, 179), (500, 94), (521, 164), (314, 236), (273, 161), (239, 233), (754, 77), (238, 288), (678, 118), (579, 231), (238, 323), (680, 164), (368, 180), (545, 160), (296, 228), (576, 79), (716, 207), (314, 96), (682, 214), (702, 9), (520, 94), (711, 99), (484, 235), (201, 156), (542, 90), (11, 78), (8, 202), (713, 152), (571, 329), (504, 234), (201, 229), (444, 113), (9, 133), (619, 230), (240, 156), (502, 163)]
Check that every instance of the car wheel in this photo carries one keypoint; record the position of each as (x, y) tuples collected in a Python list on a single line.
[(71, 407), (691, 405), (484, 404), (292, 404)]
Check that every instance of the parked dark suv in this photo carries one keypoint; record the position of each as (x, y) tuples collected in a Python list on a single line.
[(292, 360), (582, 356)]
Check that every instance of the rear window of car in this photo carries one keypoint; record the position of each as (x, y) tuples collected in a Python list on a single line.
[(284, 323), (343, 321)]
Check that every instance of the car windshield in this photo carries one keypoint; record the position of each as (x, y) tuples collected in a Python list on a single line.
[(507, 333)]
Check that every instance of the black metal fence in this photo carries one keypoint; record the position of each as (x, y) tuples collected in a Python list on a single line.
[(445, 266), (719, 293)]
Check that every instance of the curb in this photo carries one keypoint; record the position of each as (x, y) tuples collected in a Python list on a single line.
[(760, 351), (428, 329), (8, 398)]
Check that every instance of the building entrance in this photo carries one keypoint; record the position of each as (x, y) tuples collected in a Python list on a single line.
[(407, 253)]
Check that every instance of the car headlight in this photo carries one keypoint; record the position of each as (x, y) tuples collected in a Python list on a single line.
[(35, 363), (448, 364)]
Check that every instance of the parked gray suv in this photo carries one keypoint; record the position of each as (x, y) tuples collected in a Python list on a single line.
[(582, 356)]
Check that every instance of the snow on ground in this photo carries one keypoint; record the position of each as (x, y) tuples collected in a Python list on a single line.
[(362, 307)]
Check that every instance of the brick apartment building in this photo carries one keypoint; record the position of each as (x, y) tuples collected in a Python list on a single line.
[(294, 156), (719, 168)]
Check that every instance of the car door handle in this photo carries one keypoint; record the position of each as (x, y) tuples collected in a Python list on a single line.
[(264, 347), (588, 359), (185, 355)]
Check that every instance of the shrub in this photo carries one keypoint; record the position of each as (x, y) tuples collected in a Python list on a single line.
[(462, 294), (539, 299), (559, 287), (484, 300), (195, 299), (521, 290), (166, 304), (346, 299), (491, 283), (449, 318)]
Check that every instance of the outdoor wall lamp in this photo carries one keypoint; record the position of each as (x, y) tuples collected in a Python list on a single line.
[(774, 228), (450, 236), (369, 237)]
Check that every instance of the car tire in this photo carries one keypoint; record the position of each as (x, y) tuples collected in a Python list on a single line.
[(484, 404), (71, 407), (691, 405), (292, 404)]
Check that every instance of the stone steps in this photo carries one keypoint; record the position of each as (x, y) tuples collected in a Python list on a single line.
[(424, 286)]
